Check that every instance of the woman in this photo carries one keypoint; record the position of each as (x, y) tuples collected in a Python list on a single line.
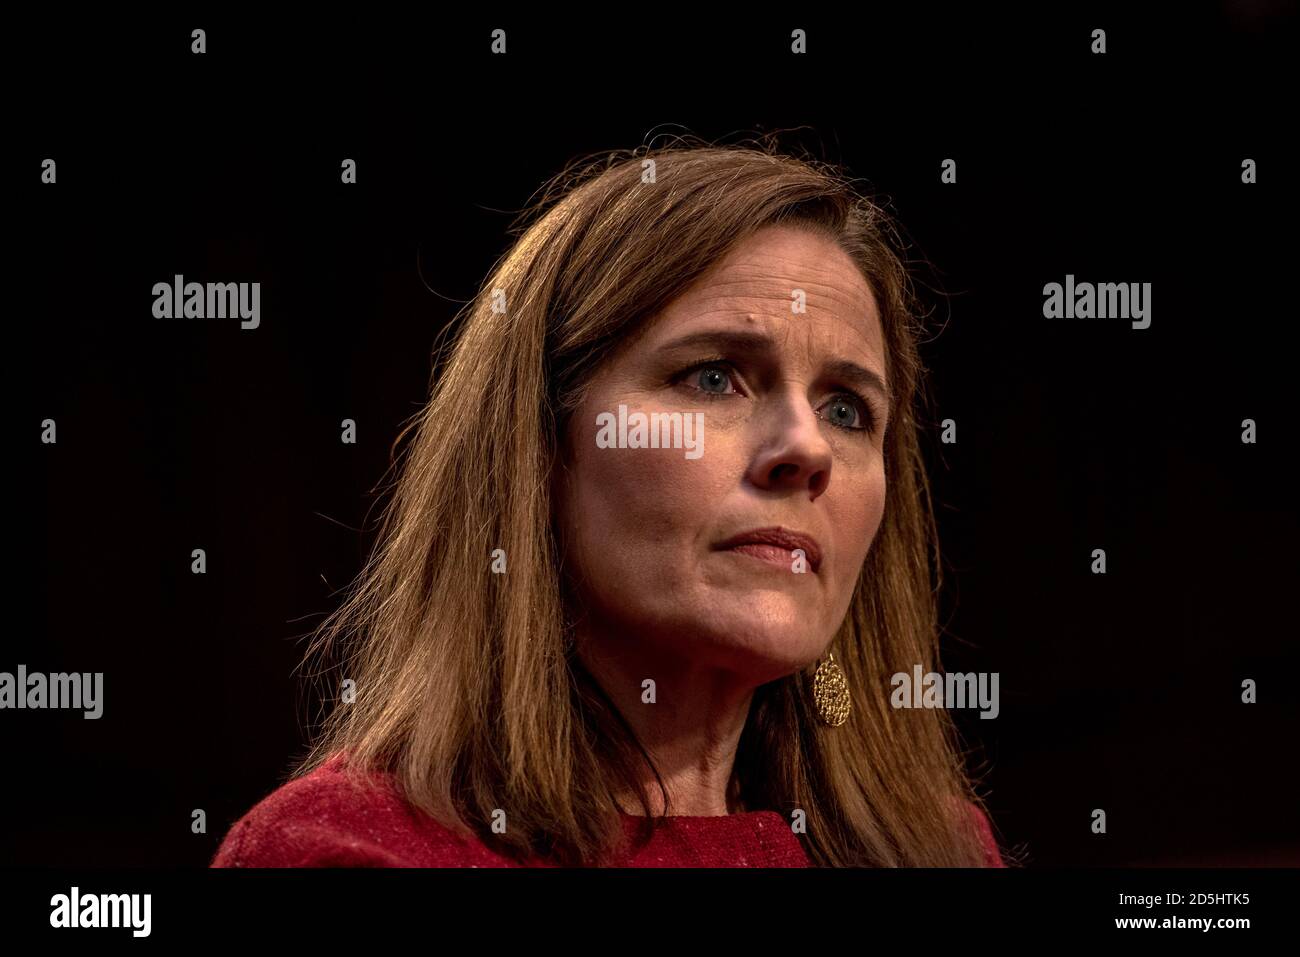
[(662, 537)]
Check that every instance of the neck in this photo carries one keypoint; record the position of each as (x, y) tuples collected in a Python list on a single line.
[(690, 722)]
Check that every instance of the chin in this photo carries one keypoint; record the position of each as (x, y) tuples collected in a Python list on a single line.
[(769, 645), (770, 616)]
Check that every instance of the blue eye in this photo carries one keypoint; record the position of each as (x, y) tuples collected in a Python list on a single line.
[(849, 412), (713, 379)]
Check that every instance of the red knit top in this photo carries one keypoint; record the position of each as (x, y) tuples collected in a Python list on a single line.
[(320, 820)]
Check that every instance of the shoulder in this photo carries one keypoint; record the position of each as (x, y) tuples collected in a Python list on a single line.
[(325, 819), (985, 831)]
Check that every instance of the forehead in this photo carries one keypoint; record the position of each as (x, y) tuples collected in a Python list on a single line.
[(754, 286)]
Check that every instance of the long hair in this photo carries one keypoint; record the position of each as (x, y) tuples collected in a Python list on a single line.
[(468, 692)]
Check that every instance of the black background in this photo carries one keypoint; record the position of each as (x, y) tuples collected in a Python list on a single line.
[(1119, 691)]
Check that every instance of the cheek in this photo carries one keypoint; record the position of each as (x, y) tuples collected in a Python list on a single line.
[(638, 511), (856, 513)]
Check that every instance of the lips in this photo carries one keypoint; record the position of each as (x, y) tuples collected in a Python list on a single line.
[(777, 537)]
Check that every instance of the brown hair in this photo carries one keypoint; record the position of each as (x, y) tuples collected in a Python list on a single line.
[(468, 691)]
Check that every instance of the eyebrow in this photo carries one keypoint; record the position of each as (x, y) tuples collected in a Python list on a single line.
[(753, 342)]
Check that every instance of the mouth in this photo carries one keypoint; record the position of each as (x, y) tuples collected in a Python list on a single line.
[(776, 545)]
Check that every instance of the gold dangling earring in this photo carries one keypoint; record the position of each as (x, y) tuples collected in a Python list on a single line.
[(831, 693)]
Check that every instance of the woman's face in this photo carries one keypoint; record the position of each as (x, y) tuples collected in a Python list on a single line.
[(793, 418)]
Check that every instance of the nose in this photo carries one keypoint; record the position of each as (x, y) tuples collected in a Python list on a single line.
[(794, 456)]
